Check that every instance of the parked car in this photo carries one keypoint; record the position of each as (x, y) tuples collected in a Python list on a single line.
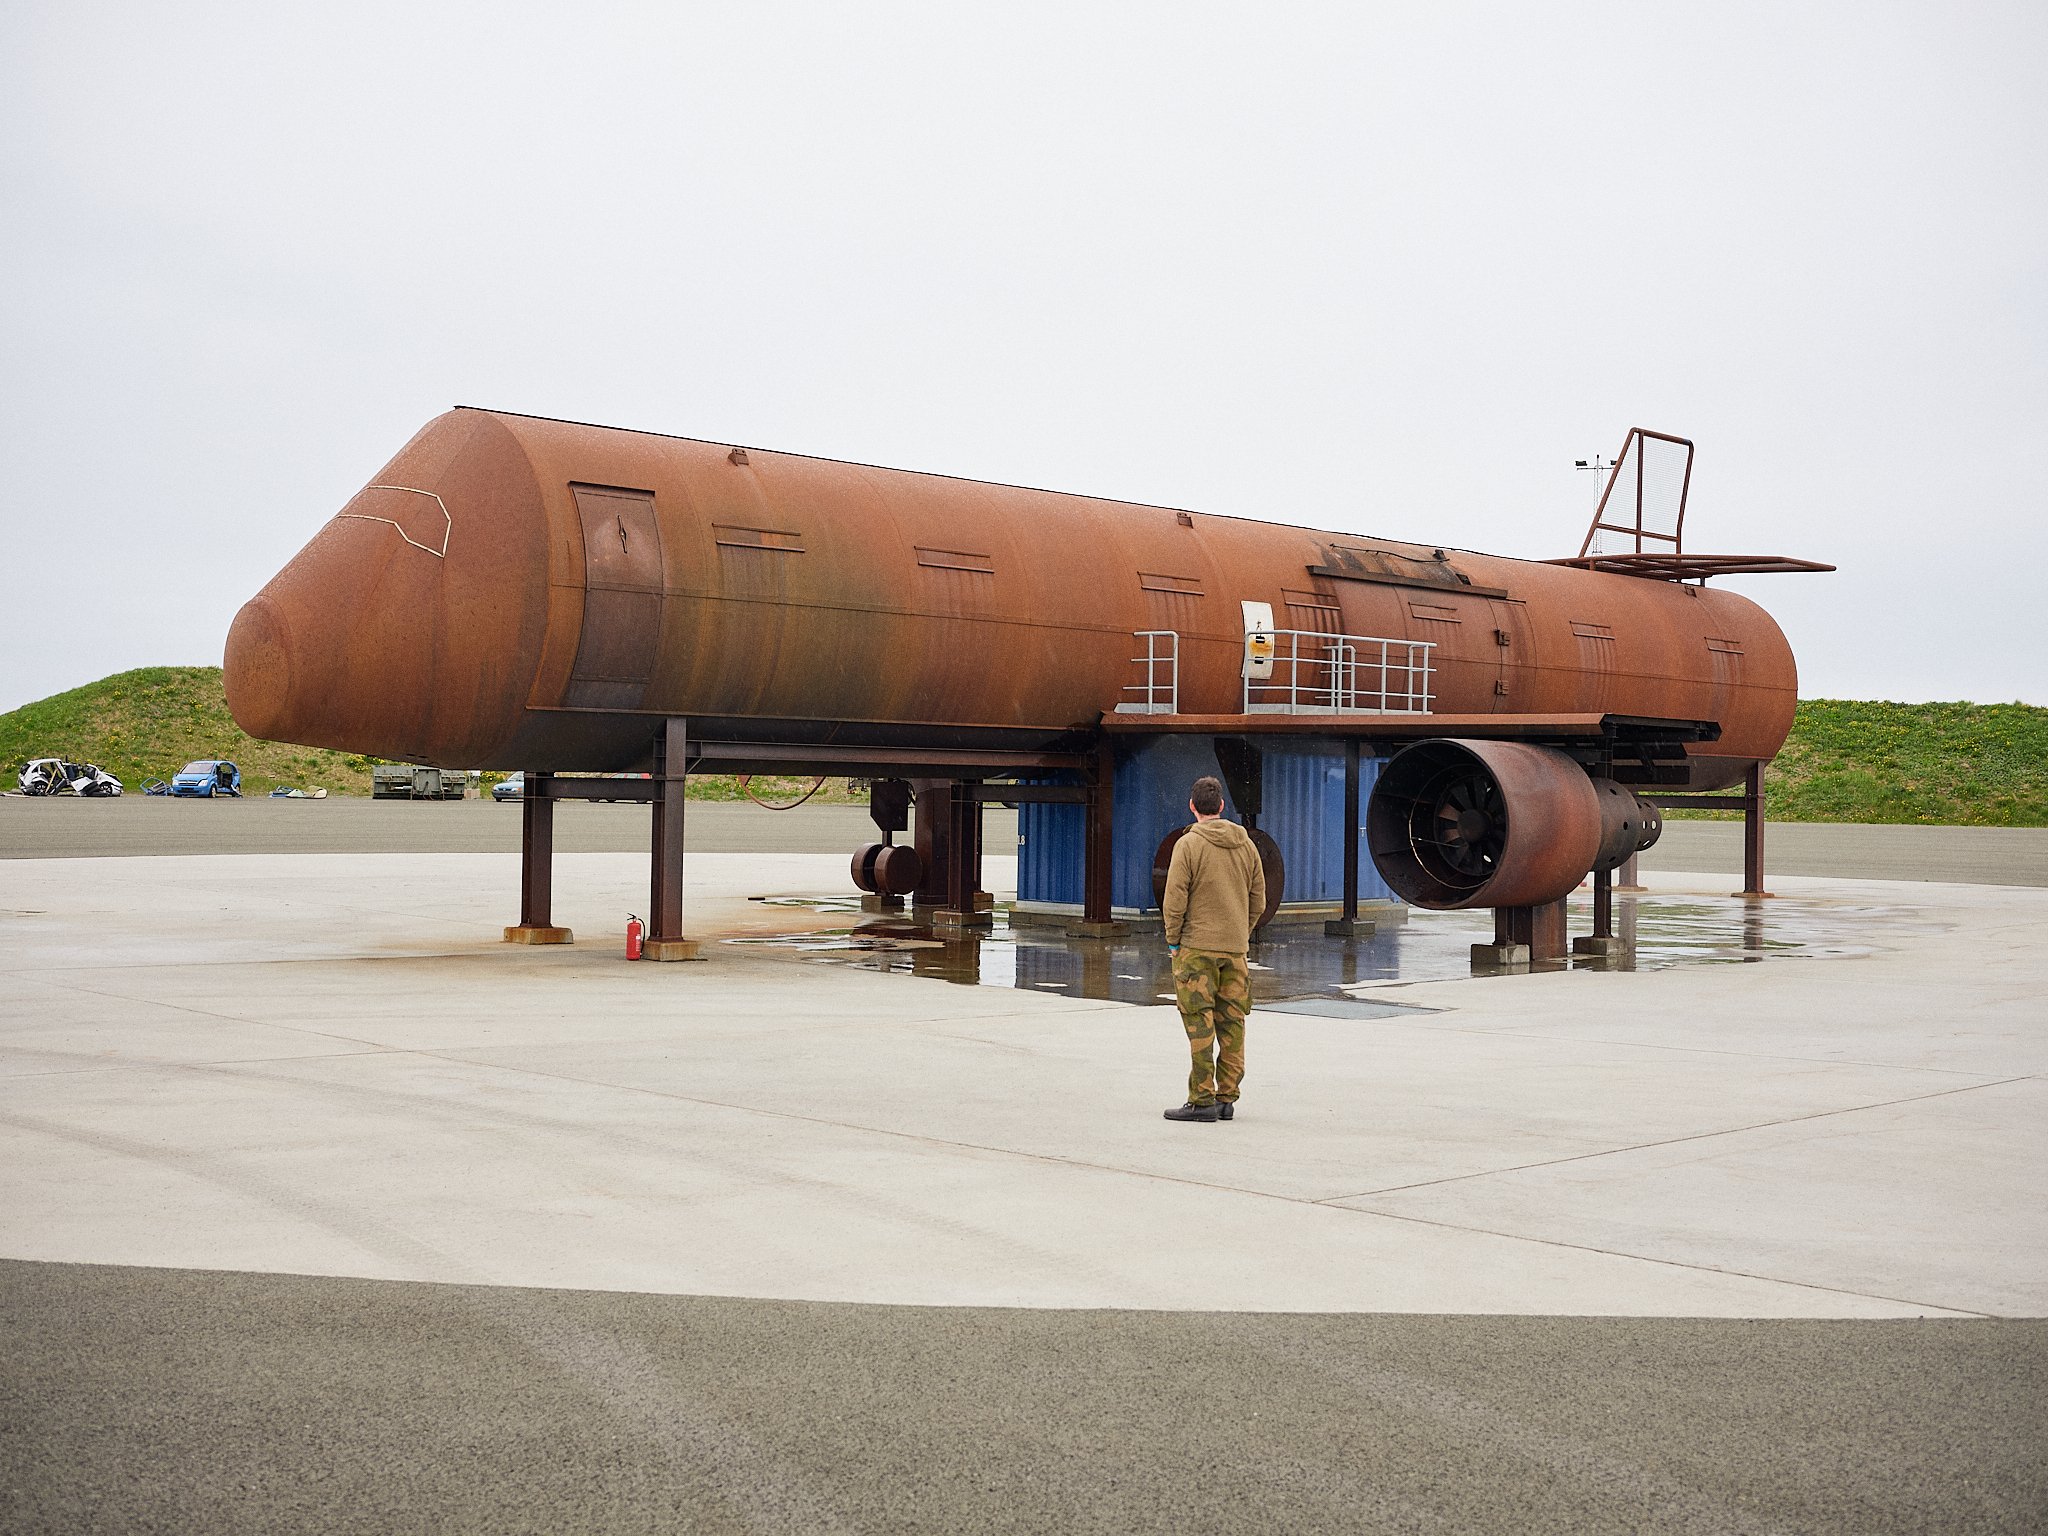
[(409, 781), (511, 787), (59, 776), (207, 777)]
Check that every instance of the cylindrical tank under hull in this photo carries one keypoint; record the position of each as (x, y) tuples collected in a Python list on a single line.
[(516, 592)]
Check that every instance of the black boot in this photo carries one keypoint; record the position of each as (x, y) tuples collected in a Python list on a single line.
[(1207, 1113), (1226, 1111)]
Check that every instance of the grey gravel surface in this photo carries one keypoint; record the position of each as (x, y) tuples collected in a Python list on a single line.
[(174, 1400), (1959, 855), (138, 825)]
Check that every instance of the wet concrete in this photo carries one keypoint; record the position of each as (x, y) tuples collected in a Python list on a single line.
[(512, 1225), (1296, 966)]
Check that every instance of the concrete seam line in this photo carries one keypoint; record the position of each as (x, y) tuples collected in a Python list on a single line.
[(1647, 1045), (1673, 1141), (1252, 1194), (211, 1064), (208, 1013), (1703, 1269)]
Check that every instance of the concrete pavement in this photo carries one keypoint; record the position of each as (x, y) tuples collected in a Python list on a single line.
[(623, 1236), (200, 1050)]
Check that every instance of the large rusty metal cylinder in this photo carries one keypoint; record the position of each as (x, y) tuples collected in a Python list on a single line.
[(1455, 824), (514, 592)]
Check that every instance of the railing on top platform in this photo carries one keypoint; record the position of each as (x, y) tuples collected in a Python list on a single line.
[(1158, 691), (1310, 672), (1315, 672)]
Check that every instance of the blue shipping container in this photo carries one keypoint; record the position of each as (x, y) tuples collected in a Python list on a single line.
[(1303, 791)]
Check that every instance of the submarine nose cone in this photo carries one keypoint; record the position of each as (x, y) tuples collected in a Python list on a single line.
[(257, 670), (411, 625)]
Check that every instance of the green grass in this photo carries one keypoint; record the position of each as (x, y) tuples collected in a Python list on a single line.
[(1961, 764), (1978, 765), (149, 723)]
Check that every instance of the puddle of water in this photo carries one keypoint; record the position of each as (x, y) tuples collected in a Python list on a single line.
[(1300, 963), (1345, 1008)]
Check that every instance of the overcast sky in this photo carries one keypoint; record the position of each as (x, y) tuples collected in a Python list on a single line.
[(1381, 268)]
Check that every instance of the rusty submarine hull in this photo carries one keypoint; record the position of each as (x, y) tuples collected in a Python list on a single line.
[(520, 592)]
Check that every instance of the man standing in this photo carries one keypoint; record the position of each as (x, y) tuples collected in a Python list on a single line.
[(1215, 894)]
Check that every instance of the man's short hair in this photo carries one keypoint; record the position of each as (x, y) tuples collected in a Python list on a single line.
[(1207, 798)]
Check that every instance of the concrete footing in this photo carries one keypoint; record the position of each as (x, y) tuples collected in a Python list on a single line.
[(672, 949), (528, 935), (1340, 928), (1098, 930), (1599, 944), (1500, 957)]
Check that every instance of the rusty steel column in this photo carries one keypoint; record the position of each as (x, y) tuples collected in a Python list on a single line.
[(1098, 850), (967, 905), (932, 837), (536, 868), (1524, 936), (1348, 926), (1602, 940), (1753, 832), (665, 939)]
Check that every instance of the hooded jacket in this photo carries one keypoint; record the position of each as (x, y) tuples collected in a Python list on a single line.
[(1215, 889)]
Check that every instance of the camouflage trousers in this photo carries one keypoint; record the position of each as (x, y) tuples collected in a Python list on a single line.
[(1214, 993)]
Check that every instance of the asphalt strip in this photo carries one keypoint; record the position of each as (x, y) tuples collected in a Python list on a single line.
[(139, 1399)]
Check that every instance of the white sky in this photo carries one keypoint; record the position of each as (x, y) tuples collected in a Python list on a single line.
[(1380, 268)]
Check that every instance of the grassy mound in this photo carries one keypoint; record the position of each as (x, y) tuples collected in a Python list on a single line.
[(149, 723), (1981, 765)]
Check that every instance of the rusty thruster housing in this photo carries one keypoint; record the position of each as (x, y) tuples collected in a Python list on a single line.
[(887, 869), (1498, 824)]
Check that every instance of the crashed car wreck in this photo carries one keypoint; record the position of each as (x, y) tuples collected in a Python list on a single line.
[(60, 776)]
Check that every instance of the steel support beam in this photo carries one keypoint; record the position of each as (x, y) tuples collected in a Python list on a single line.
[(1753, 832), (1602, 940), (1099, 851), (665, 939), (876, 762), (964, 904), (537, 868), (1348, 926)]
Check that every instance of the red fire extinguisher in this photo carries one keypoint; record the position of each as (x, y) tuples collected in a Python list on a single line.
[(635, 931)]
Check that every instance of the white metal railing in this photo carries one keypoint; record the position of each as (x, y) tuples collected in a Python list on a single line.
[(1315, 672), (1159, 692)]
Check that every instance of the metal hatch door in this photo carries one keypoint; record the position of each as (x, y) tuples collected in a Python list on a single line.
[(622, 580)]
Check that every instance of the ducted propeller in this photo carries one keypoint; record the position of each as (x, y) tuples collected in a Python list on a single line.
[(1496, 824)]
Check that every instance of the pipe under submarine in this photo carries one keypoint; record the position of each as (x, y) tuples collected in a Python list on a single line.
[(519, 592)]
